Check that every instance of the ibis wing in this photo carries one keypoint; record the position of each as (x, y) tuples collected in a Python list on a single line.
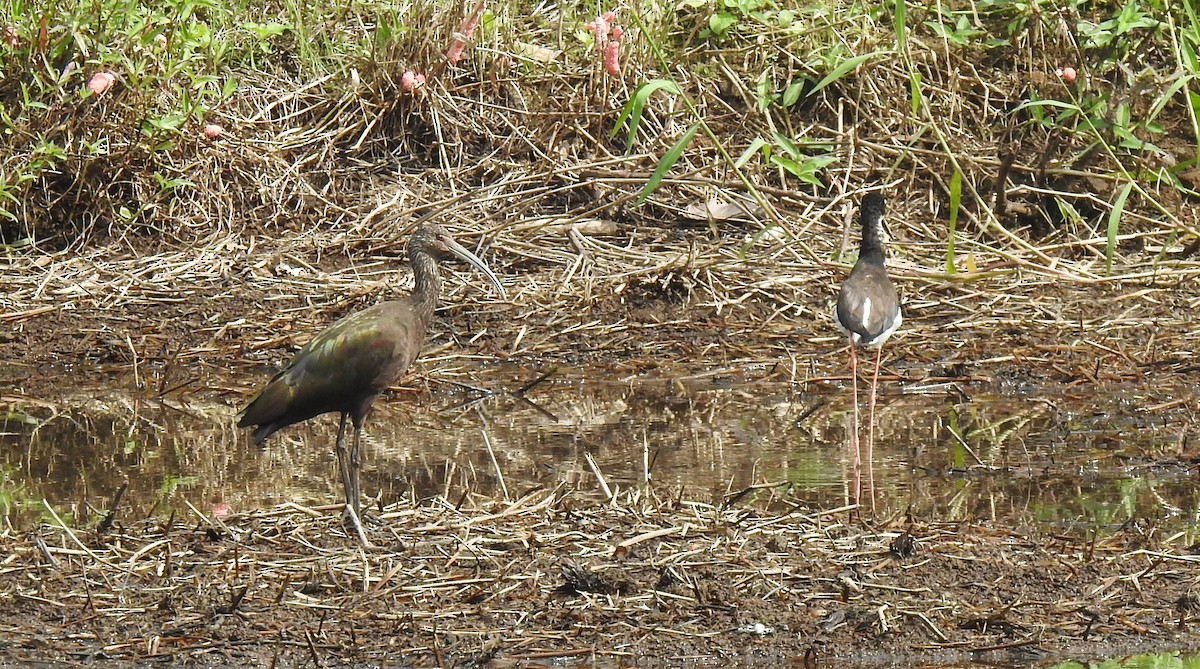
[(337, 369)]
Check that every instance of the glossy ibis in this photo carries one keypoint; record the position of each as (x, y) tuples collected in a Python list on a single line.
[(348, 365), (868, 310)]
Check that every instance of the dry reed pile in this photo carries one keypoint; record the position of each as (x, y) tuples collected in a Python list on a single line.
[(558, 573), (297, 212)]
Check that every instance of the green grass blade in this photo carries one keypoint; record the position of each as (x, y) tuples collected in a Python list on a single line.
[(914, 91), (1114, 220), (631, 115), (845, 67), (1166, 97), (667, 162), (1038, 104), (955, 199)]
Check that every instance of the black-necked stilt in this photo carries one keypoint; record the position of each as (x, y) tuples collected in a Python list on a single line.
[(868, 309)]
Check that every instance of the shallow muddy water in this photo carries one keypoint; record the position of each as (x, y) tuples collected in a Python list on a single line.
[(1082, 458)]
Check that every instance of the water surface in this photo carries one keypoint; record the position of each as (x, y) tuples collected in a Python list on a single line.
[(1095, 459)]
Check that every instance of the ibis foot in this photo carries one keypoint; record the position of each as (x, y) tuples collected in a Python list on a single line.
[(353, 523)]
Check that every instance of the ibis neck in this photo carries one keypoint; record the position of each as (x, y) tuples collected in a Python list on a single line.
[(426, 282)]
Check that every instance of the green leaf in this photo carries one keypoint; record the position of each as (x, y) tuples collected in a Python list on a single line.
[(720, 23), (845, 67), (1114, 220), (788, 164), (789, 147), (813, 165), (762, 91), (803, 168), (1163, 99), (166, 184), (265, 31), (955, 199), (1123, 115), (1038, 104), (792, 94), (1190, 62), (169, 122), (632, 113), (898, 21), (754, 147), (668, 161)]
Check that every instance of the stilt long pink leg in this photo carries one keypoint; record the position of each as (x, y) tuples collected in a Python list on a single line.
[(871, 425), (854, 434)]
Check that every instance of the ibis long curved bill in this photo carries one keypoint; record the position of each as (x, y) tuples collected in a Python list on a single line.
[(475, 261)]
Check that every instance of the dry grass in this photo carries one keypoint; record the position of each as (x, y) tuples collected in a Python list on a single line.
[(558, 574)]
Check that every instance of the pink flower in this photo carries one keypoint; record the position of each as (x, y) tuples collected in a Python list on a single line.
[(608, 41), (100, 82), (411, 81), (8, 35), (1068, 74), (212, 130), (459, 41)]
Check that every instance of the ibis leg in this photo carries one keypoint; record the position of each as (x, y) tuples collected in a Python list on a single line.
[(356, 466), (344, 459)]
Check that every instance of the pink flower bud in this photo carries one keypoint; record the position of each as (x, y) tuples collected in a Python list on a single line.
[(468, 26), (599, 28), (617, 33), (1068, 74), (411, 81), (212, 130), (8, 35), (459, 40), (100, 82), (455, 52), (612, 58)]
